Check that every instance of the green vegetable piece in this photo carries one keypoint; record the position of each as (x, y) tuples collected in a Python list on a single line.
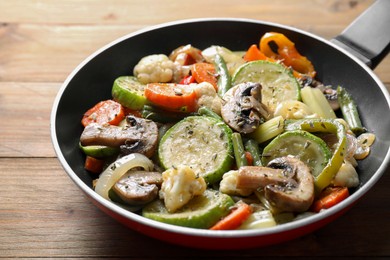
[(278, 83), (253, 148), (349, 110), (201, 212), (239, 151), (200, 142), (317, 102), (268, 130), (161, 115), (325, 126), (129, 92), (205, 111), (99, 151), (307, 147), (224, 80)]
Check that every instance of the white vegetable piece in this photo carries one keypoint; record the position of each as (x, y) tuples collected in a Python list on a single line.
[(179, 186), (117, 169), (364, 142), (259, 219), (207, 96), (293, 109), (228, 185), (154, 68), (346, 176)]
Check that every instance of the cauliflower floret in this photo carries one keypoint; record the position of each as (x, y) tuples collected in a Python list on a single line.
[(154, 68), (228, 185), (346, 176), (179, 186), (208, 97)]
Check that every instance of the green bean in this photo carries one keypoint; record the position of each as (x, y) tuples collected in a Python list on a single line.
[(349, 110), (239, 151), (205, 111), (253, 148), (224, 79)]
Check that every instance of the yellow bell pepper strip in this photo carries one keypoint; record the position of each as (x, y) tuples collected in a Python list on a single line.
[(328, 126), (287, 53)]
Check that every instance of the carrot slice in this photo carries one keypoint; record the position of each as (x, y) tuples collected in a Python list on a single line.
[(93, 165), (171, 96), (204, 72), (232, 221), (107, 111), (330, 197)]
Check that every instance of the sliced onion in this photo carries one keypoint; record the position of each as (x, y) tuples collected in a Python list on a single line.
[(117, 169)]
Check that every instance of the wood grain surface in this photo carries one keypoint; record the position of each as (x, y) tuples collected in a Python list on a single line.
[(42, 212)]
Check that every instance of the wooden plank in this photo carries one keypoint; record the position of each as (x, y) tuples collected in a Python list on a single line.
[(44, 53), (134, 11), (48, 53), (44, 214), (45, 44), (25, 119)]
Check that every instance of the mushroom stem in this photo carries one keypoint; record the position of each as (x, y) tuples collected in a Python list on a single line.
[(287, 182)]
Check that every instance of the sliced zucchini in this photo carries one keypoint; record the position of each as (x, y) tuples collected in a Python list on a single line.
[(277, 81), (129, 92), (309, 148), (99, 151), (200, 142), (201, 212)]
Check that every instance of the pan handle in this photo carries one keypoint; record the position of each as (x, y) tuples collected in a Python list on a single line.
[(368, 37)]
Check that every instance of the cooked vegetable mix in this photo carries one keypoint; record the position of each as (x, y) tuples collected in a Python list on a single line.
[(225, 139)]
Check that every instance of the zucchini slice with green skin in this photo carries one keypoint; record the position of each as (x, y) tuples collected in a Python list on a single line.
[(99, 151), (200, 142), (202, 211), (278, 83), (129, 92), (309, 148)]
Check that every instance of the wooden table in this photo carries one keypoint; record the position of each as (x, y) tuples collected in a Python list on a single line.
[(42, 212)]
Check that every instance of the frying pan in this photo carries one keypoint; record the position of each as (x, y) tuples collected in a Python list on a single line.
[(91, 82)]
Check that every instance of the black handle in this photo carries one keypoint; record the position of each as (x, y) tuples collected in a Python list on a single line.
[(368, 37)]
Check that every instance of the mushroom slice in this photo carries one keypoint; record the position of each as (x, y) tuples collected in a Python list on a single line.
[(298, 194), (287, 182), (138, 135), (138, 187), (253, 177), (243, 109)]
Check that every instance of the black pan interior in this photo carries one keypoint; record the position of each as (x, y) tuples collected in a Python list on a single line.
[(93, 82)]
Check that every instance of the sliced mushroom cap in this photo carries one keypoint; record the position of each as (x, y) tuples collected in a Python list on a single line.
[(298, 194), (287, 182), (138, 187), (137, 136), (243, 109)]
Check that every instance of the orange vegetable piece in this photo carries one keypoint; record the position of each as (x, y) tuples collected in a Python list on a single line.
[(286, 52), (204, 72), (107, 111), (232, 221), (330, 197), (93, 165), (171, 96), (253, 53), (249, 158)]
